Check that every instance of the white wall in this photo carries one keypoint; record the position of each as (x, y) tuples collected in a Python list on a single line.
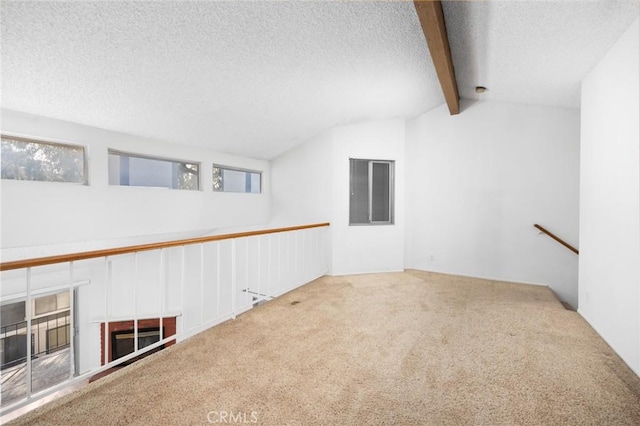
[(44, 213), (610, 198), (363, 249), (311, 184), (478, 181), (195, 283), (302, 182)]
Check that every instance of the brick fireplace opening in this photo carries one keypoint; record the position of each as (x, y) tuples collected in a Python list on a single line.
[(121, 337)]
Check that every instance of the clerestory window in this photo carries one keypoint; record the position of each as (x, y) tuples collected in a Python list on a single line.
[(230, 179), (36, 160), (127, 169)]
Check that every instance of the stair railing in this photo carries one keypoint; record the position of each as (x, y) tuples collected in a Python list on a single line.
[(558, 239)]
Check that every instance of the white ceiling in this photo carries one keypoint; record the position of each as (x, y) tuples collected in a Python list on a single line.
[(257, 78), (532, 52)]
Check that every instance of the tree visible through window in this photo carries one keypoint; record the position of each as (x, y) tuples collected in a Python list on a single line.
[(371, 192), (227, 179), (137, 170), (26, 159)]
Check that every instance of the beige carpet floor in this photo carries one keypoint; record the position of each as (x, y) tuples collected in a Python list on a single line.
[(404, 348)]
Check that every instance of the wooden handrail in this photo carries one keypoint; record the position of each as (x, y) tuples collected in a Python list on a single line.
[(558, 239), (50, 260)]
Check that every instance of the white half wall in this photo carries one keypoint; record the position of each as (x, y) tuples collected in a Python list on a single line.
[(46, 216), (610, 198), (476, 184)]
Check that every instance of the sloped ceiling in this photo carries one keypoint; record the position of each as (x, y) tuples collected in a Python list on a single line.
[(532, 52), (257, 78)]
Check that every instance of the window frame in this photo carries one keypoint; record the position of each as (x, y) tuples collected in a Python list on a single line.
[(52, 142), (235, 169), (391, 187), (112, 151)]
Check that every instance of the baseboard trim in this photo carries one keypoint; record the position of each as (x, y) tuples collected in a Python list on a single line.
[(481, 277)]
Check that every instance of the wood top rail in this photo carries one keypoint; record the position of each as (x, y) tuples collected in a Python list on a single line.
[(50, 260), (558, 239)]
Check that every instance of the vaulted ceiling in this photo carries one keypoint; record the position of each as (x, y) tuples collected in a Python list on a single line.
[(256, 78)]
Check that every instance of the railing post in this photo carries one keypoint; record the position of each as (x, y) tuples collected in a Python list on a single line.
[(247, 296), (233, 279), (29, 313), (107, 286), (72, 322), (259, 269), (217, 279), (183, 292), (135, 302), (162, 281), (270, 267), (201, 283)]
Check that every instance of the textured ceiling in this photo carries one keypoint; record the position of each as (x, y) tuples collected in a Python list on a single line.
[(532, 52), (253, 78), (257, 78)]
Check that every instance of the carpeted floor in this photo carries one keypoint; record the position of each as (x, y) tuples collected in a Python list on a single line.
[(404, 348)]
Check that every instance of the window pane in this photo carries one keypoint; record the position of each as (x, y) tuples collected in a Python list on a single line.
[(217, 179), (12, 313), (13, 361), (48, 340), (359, 197), (24, 159), (371, 192), (46, 304), (254, 183), (226, 179), (234, 181), (134, 170), (51, 349), (380, 193), (63, 300)]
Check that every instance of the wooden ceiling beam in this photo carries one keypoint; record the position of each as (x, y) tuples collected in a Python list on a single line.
[(432, 21)]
